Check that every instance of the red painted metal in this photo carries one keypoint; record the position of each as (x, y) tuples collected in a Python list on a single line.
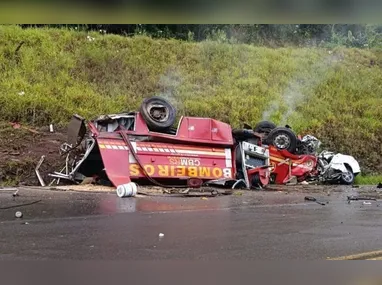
[(286, 165), (264, 176), (202, 149), (163, 160), (190, 130), (263, 173), (116, 161)]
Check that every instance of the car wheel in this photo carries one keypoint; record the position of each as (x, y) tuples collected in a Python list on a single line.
[(158, 114), (347, 178), (283, 139)]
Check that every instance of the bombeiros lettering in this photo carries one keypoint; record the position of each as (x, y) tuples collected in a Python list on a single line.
[(181, 171)]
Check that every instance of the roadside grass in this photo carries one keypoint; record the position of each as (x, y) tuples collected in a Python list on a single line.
[(333, 94), (368, 179)]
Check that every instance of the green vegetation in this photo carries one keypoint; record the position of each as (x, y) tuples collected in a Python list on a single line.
[(334, 94), (368, 179), (276, 35)]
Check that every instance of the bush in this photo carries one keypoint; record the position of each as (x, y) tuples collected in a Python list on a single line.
[(331, 93)]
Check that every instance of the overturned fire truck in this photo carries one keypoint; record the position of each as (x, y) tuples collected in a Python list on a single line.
[(144, 147)]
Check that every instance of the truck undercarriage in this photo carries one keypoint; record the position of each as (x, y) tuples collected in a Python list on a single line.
[(143, 147)]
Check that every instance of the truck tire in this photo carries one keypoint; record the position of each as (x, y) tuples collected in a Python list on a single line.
[(283, 139), (158, 114), (264, 127)]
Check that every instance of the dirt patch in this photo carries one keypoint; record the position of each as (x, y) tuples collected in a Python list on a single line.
[(21, 148)]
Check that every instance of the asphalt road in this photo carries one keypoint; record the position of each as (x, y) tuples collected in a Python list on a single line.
[(252, 226)]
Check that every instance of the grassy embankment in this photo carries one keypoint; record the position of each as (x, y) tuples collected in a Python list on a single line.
[(335, 95)]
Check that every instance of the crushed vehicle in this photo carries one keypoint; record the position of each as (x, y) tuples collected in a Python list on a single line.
[(143, 147), (337, 168), (299, 157)]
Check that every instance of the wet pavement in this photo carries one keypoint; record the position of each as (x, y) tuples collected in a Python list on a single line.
[(246, 225)]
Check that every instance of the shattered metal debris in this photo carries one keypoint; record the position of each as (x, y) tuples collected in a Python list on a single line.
[(186, 191), (40, 179), (310, 198), (366, 203), (359, 198)]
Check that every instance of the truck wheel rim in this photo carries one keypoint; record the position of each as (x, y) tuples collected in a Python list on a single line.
[(158, 112), (282, 141)]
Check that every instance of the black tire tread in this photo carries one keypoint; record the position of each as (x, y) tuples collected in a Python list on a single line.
[(152, 124), (264, 127)]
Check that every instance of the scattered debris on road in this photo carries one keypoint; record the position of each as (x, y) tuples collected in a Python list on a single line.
[(360, 198), (313, 199), (18, 214), (20, 205), (127, 190)]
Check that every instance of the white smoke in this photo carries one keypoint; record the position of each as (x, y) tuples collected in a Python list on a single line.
[(168, 87), (272, 109), (294, 93)]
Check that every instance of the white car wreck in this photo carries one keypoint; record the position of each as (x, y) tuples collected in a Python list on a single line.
[(338, 167)]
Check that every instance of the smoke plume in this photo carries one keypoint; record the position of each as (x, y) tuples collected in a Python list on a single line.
[(168, 86), (295, 93)]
